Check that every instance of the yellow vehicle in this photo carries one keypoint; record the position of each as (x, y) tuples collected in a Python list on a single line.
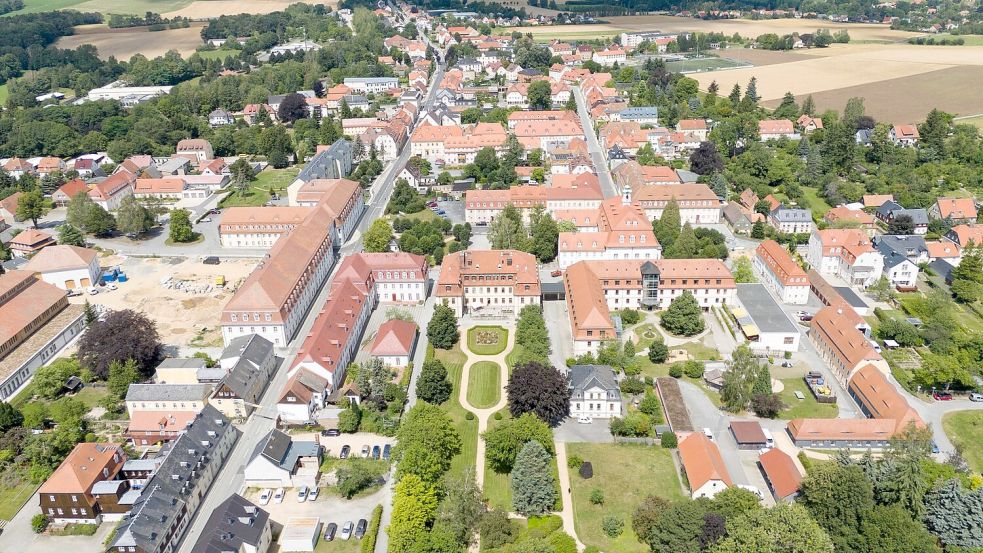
[(220, 280)]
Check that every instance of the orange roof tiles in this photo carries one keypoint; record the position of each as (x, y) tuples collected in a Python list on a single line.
[(775, 126), (30, 238), (881, 399), (843, 213), (957, 208), (160, 421), (877, 200), (781, 264), (166, 185), (83, 467), (394, 337), (702, 461), (943, 249), (237, 219), (519, 268), (692, 125), (836, 326), (589, 314), (780, 469), (966, 234)]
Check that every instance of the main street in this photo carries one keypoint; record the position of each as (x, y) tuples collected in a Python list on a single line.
[(229, 479), (594, 147)]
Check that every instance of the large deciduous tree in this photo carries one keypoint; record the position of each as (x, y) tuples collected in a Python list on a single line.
[(292, 107), (121, 335), (433, 386), (684, 316), (507, 232), (539, 389), (462, 507), (540, 95), (32, 205), (88, 216), (668, 226), (442, 328), (426, 443), (785, 528), (181, 230), (70, 236), (378, 236), (533, 485), (504, 441), (705, 160), (414, 508), (132, 218)]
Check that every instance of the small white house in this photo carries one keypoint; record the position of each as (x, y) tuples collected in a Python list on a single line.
[(394, 343), (703, 465), (67, 267), (280, 461), (594, 392)]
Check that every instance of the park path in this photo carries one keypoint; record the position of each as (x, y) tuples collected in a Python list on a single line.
[(563, 471), (484, 414)]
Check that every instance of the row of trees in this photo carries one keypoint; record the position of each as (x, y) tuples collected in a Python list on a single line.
[(509, 232)]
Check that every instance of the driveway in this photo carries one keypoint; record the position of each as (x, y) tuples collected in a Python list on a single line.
[(558, 325), (571, 431), (333, 444), (454, 209)]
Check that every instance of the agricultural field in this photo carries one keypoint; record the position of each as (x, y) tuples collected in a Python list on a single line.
[(167, 8), (125, 43), (704, 64)]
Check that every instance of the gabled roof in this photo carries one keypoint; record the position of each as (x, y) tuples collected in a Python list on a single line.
[(234, 523), (780, 469), (585, 377), (702, 461), (60, 258), (957, 208), (395, 337), (82, 468)]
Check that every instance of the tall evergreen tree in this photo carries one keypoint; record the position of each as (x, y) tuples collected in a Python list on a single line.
[(533, 485), (668, 226)]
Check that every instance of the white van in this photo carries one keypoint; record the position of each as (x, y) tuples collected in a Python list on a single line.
[(769, 440)]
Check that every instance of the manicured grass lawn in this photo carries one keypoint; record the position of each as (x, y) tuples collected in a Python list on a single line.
[(89, 395), (279, 179), (13, 498), (497, 489), (251, 197), (487, 340), (812, 200), (646, 334), (807, 408), (425, 215), (964, 428), (338, 545), (484, 386), (510, 359), (453, 360), (258, 192), (626, 473)]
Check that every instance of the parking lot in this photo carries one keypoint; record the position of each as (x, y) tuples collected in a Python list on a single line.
[(333, 444)]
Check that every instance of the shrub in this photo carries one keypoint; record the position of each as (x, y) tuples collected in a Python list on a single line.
[(597, 497), (632, 385), (788, 355), (574, 461), (694, 369), (669, 440), (676, 370), (650, 404), (368, 541), (469, 416), (586, 470), (612, 526), (592, 549), (561, 542), (649, 381), (498, 416), (39, 523), (630, 316), (542, 526), (658, 352)]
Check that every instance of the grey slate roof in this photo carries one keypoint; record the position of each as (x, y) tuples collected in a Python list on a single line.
[(585, 377), (235, 522), (892, 257), (162, 499), (734, 214), (251, 349), (906, 244), (639, 111), (784, 214), (182, 363), (918, 216), (168, 392), (767, 315), (887, 208), (281, 450), (323, 166)]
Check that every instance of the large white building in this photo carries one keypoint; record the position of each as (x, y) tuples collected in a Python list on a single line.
[(623, 232), (67, 267), (594, 392), (371, 84), (780, 272), (258, 227), (489, 283), (763, 322), (846, 253)]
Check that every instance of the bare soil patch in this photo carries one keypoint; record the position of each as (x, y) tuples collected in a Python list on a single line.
[(745, 27), (205, 9), (125, 43), (909, 99)]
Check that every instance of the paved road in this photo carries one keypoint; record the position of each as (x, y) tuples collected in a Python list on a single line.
[(594, 147)]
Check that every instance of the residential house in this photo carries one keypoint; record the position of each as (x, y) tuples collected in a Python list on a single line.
[(198, 150), (773, 129), (169, 188), (876, 200), (791, 220), (837, 335), (416, 178), (809, 123), (8, 206), (847, 253), (17, 167), (170, 498), (236, 525), (251, 364), (899, 270), (640, 115), (704, 467), (69, 190), (30, 242), (782, 273), (397, 277), (695, 127), (67, 495), (49, 165), (955, 210), (594, 392), (394, 343), (220, 118), (281, 461), (109, 192), (891, 210), (738, 217), (909, 246), (167, 397), (904, 135), (843, 217), (66, 267), (945, 251), (966, 235)]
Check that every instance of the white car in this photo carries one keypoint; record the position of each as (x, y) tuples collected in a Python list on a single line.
[(312, 495), (278, 495), (346, 530), (302, 494), (264, 496), (93, 291), (112, 286), (708, 433), (584, 419)]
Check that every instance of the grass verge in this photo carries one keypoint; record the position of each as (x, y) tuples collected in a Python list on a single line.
[(964, 428), (807, 408), (617, 468)]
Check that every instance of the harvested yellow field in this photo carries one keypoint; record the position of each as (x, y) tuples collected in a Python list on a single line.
[(746, 27), (200, 9), (124, 43)]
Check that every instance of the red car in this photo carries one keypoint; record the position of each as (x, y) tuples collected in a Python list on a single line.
[(942, 396), (556, 273), (432, 204)]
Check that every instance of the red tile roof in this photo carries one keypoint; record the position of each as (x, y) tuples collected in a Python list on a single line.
[(395, 337)]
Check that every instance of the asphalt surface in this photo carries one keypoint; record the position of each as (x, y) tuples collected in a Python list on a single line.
[(594, 147)]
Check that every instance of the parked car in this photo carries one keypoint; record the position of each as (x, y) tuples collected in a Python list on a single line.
[(211, 260), (806, 317), (345, 452), (556, 273), (788, 364), (278, 495), (360, 528), (975, 397), (264, 496), (302, 494), (376, 452), (312, 495), (365, 451), (942, 396), (330, 531), (387, 451), (432, 204), (584, 419), (112, 286), (346, 530), (206, 220), (935, 447), (331, 432), (708, 433), (93, 290)]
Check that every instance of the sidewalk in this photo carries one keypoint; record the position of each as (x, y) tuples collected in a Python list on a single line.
[(563, 471)]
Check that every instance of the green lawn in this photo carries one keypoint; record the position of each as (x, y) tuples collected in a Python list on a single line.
[(626, 473), (807, 408), (484, 384), (424, 215), (703, 64), (279, 179), (646, 334), (964, 428), (514, 354), (812, 200), (497, 488), (218, 54), (89, 395), (251, 197), (487, 340), (453, 360), (35, 6), (13, 497), (338, 545)]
